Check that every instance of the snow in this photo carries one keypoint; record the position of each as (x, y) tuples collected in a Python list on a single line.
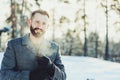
[(87, 68)]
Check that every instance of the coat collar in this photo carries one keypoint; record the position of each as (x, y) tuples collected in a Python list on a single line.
[(25, 39)]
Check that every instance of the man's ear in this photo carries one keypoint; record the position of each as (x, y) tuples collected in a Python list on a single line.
[(29, 22)]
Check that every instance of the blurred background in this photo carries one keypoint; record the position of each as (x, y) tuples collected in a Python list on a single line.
[(81, 27)]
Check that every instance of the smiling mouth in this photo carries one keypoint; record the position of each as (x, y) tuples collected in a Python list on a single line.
[(38, 29)]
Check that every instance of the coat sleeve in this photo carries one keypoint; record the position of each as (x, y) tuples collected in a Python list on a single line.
[(59, 67), (8, 70)]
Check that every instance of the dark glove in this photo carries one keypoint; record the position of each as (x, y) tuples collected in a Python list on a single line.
[(46, 65), (38, 74)]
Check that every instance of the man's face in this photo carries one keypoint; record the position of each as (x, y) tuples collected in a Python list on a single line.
[(39, 24)]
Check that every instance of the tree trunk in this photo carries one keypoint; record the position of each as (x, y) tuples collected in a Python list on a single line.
[(85, 39), (22, 19), (13, 15), (106, 56), (96, 46)]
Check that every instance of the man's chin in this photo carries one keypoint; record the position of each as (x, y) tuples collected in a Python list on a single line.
[(37, 35)]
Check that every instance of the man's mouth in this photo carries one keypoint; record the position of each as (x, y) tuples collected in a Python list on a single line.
[(37, 28)]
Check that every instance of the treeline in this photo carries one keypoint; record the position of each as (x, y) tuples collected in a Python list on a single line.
[(106, 15), (73, 45)]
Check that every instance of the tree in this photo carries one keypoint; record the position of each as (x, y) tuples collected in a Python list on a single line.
[(13, 18), (22, 18), (71, 44), (105, 6), (85, 39), (106, 56), (93, 44), (115, 6)]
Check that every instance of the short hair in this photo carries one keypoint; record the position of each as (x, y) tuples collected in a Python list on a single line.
[(43, 12)]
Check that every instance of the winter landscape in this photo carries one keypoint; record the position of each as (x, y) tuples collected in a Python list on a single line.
[(83, 28)]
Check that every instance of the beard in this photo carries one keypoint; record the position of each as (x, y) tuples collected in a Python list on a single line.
[(36, 33)]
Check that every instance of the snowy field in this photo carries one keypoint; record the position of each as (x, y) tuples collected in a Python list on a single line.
[(87, 68)]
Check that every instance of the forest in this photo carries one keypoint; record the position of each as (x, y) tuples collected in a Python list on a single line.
[(81, 27)]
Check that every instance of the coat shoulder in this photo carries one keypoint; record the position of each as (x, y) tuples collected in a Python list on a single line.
[(15, 41), (54, 44)]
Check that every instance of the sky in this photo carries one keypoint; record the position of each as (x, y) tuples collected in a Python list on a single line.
[(97, 19)]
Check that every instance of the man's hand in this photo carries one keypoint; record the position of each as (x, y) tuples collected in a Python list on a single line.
[(38, 74), (46, 64)]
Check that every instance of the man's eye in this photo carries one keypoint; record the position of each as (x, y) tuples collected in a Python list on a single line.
[(37, 21), (44, 23)]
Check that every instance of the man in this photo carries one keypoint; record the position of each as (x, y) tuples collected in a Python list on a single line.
[(32, 57)]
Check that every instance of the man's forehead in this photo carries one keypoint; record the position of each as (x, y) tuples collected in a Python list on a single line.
[(40, 16)]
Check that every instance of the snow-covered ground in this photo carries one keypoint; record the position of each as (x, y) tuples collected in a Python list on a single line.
[(87, 68)]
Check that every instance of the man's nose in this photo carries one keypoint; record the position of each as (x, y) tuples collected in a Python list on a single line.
[(40, 26)]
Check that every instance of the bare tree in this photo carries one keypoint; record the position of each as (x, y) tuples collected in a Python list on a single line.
[(13, 18), (96, 45), (85, 39), (22, 17), (106, 56), (115, 6)]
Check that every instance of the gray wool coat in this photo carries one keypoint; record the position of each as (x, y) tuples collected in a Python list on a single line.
[(18, 60)]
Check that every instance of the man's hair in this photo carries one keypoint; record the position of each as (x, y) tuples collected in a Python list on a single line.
[(43, 12)]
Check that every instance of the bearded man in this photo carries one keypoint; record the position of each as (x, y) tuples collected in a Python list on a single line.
[(31, 57)]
